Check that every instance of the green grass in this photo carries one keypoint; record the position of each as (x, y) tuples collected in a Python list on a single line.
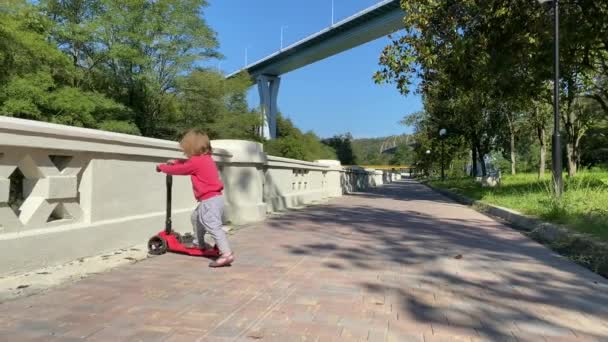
[(583, 207)]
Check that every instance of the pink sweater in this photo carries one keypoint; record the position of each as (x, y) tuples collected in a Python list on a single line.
[(206, 181)]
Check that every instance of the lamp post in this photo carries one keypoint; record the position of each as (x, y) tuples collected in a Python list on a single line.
[(428, 163), (247, 55), (558, 184), (442, 133), (282, 28)]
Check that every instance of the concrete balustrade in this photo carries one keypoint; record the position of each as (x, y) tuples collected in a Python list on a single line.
[(291, 183), (69, 192)]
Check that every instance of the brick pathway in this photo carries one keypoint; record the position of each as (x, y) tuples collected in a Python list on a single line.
[(398, 264)]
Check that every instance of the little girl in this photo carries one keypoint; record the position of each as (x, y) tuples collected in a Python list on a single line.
[(207, 186)]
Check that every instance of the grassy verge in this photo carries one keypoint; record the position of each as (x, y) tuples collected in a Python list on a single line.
[(584, 206)]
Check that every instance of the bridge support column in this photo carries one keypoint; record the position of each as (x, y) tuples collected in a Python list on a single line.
[(268, 86)]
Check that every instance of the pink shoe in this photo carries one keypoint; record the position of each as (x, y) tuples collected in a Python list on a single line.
[(223, 260)]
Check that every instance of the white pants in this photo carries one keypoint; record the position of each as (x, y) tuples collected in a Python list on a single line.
[(207, 218)]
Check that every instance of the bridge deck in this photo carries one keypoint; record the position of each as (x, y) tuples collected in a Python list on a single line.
[(372, 23)]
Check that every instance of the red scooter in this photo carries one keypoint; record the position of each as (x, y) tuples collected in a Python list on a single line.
[(169, 240)]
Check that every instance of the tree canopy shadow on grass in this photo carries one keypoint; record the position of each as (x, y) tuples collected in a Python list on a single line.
[(518, 283)]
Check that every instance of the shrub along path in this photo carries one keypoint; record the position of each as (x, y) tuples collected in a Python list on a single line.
[(583, 207)]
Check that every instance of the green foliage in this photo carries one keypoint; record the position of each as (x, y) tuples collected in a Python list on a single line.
[(292, 143), (342, 144), (306, 147), (287, 147), (37, 80), (485, 69), (317, 149), (134, 51), (595, 146), (120, 66), (404, 155), (370, 151), (582, 206), (210, 102), (286, 128), (119, 127)]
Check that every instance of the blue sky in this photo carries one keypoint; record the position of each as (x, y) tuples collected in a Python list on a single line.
[(333, 96)]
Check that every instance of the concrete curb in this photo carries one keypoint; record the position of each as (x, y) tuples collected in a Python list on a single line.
[(516, 219), (581, 248)]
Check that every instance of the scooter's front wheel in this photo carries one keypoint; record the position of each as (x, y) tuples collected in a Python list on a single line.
[(157, 245)]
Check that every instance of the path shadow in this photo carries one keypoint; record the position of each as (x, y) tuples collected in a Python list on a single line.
[(519, 283)]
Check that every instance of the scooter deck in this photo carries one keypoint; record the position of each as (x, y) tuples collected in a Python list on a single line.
[(176, 245)]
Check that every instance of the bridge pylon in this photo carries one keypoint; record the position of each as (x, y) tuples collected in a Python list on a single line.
[(268, 87)]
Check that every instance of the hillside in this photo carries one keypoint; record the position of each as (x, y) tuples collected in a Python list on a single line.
[(368, 151)]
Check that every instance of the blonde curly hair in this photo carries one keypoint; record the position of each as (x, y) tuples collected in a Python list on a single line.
[(195, 143)]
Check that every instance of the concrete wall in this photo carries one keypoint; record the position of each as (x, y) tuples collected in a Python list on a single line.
[(86, 192)]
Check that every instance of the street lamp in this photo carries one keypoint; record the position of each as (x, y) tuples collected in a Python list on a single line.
[(442, 133), (428, 163), (247, 55), (282, 28), (556, 139)]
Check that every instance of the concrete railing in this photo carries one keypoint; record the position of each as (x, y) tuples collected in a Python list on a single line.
[(68, 192)]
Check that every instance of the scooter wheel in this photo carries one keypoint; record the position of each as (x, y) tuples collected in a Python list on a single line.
[(157, 245)]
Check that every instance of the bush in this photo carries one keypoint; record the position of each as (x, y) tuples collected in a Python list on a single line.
[(582, 206), (292, 143), (120, 127)]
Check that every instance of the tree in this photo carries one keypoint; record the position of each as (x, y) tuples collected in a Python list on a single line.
[(484, 61), (135, 51), (206, 100), (579, 118), (539, 116), (594, 152), (449, 50), (38, 82), (582, 49), (344, 149), (404, 155), (292, 143)]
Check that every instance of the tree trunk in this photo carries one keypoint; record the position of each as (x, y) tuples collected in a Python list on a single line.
[(480, 155), (512, 143), (573, 151), (484, 171), (570, 124), (543, 152), (513, 171), (474, 162), (572, 159), (571, 145)]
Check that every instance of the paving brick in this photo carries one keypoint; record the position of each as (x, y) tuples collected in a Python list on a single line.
[(378, 266)]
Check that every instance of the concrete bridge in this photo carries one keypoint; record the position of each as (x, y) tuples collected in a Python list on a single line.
[(374, 22), (376, 259)]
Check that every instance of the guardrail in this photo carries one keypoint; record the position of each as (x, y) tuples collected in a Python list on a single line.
[(69, 192)]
